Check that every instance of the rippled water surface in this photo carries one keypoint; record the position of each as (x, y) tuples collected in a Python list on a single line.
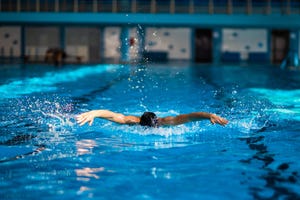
[(44, 154)]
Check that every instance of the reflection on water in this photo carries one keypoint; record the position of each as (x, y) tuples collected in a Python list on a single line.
[(84, 189), (85, 146), (86, 174)]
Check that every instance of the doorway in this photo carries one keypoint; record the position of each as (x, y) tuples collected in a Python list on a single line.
[(203, 46), (280, 45)]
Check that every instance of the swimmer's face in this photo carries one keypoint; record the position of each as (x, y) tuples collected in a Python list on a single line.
[(149, 119)]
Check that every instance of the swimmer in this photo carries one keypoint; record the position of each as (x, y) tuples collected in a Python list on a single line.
[(148, 118)]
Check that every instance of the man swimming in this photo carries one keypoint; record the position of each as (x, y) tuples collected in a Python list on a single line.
[(148, 118)]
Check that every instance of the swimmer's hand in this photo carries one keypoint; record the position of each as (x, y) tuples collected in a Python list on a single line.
[(86, 117), (215, 119)]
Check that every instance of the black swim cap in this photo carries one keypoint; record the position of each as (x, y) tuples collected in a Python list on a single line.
[(149, 119)]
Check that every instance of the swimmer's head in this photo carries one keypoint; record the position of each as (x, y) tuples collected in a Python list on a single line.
[(149, 119)]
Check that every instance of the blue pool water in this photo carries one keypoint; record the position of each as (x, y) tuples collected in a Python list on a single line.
[(44, 154)]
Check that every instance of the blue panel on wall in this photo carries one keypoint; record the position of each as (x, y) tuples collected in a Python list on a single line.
[(231, 56), (278, 21), (157, 56), (257, 57)]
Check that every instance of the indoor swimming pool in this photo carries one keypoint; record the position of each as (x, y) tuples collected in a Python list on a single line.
[(44, 154)]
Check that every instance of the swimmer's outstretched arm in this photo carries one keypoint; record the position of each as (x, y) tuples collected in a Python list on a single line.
[(106, 114), (195, 116)]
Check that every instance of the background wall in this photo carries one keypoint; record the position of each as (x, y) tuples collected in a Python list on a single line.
[(83, 42), (244, 41), (175, 41), (39, 39), (134, 44), (10, 41), (112, 42), (94, 42)]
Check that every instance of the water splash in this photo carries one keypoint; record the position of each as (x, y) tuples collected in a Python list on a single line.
[(160, 131), (49, 118), (57, 118)]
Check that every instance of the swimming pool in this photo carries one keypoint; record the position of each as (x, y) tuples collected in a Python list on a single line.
[(44, 154)]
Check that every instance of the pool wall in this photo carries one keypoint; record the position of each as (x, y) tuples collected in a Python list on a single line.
[(117, 36)]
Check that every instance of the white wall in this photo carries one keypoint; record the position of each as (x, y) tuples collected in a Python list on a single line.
[(134, 52), (244, 41), (83, 42), (175, 41), (112, 42), (39, 39), (10, 41)]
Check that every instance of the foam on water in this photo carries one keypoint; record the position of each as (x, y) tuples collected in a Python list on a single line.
[(160, 131)]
